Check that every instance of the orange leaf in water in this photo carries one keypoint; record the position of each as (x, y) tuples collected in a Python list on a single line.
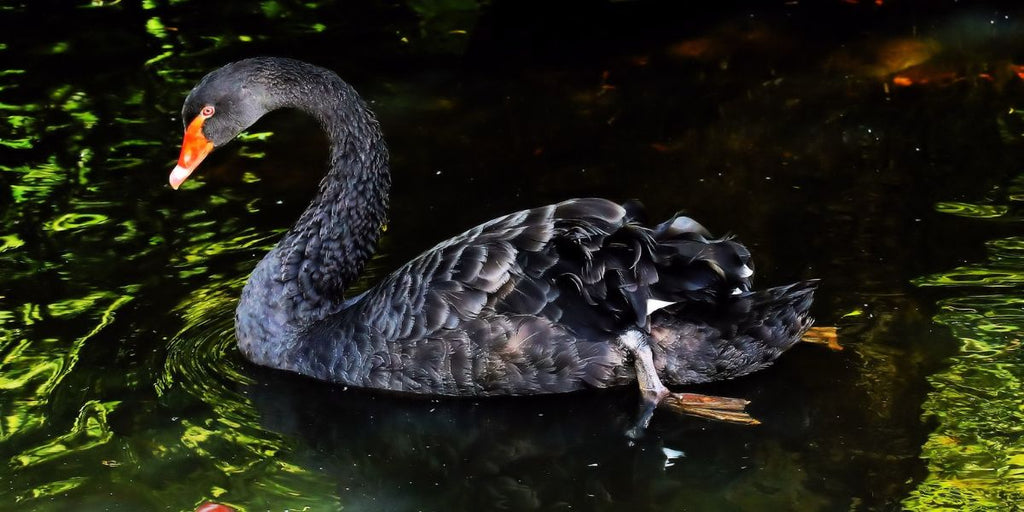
[(902, 81)]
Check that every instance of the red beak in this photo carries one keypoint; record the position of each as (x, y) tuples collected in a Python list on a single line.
[(194, 149)]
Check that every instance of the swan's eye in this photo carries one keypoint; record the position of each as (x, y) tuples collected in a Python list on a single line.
[(207, 111)]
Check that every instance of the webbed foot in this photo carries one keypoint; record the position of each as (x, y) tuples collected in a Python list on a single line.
[(655, 394), (731, 410), (827, 336)]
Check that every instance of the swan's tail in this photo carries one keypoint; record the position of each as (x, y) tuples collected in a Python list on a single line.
[(695, 343), (705, 321), (695, 266)]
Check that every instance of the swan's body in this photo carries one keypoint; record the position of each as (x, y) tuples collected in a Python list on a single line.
[(548, 300)]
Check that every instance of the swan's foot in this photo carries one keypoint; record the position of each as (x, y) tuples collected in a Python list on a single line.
[(827, 336), (655, 394), (651, 388), (731, 410)]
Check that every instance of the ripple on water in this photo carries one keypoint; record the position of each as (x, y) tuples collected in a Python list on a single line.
[(201, 358), (74, 221), (229, 439), (976, 453), (970, 210), (10, 242), (1002, 270), (35, 370)]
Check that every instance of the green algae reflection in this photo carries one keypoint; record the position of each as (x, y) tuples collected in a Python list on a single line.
[(976, 454)]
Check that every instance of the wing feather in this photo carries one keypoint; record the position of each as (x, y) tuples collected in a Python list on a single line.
[(528, 302)]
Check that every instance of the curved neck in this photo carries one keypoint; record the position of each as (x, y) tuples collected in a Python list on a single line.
[(326, 249)]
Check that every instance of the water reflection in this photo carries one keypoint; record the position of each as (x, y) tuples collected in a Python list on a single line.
[(266, 435), (976, 454)]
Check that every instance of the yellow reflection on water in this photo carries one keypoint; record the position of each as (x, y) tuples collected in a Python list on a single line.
[(89, 430), (54, 488), (25, 143), (33, 368), (1003, 269), (74, 221), (36, 182), (156, 28), (982, 211), (975, 455), (9, 242)]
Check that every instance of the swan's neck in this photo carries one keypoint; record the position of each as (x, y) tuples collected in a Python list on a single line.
[(303, 278), (326, 249)]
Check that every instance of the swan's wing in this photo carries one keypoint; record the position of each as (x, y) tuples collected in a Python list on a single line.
[(504, 267), (479, 313), (526, 302)]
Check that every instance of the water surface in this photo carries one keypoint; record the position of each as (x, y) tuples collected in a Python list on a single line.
[(876, 147)]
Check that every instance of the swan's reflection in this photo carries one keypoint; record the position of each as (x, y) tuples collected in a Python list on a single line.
[(390, 452)]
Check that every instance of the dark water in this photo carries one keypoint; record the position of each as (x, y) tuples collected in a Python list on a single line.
[(876, 147)]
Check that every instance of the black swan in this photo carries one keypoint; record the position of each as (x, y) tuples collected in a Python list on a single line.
[(553, 299)]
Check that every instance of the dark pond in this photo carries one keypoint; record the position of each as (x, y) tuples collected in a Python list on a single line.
[(875, 145)]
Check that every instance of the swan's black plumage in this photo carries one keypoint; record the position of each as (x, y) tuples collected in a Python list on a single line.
[(532, 302), (526, 303)]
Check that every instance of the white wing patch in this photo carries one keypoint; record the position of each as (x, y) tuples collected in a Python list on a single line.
[(655, 304)]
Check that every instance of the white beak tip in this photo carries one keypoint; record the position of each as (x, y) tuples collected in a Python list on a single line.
[(178, 176)]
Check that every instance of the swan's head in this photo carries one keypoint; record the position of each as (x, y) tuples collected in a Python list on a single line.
[(218, 108)]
